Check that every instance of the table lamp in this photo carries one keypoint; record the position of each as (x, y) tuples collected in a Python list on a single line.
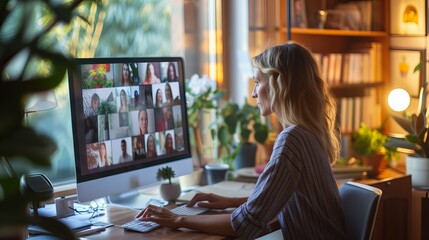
[(41, 102), (398, 100)]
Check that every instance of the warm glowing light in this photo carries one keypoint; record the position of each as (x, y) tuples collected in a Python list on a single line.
[(398, 99)]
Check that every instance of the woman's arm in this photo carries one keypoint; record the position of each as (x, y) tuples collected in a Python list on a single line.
[(219, 224), (214, 201)]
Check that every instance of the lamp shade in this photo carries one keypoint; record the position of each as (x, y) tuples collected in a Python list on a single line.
[(41, 102), (398, 99)]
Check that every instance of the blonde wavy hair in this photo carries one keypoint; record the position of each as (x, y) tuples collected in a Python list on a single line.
[(298, 95)]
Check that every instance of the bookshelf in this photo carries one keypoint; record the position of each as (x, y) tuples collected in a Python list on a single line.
[(364, 84)]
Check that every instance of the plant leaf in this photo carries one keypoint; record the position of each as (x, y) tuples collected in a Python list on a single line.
[(420, 123), (224, 136), (27, 143), (406, 124)]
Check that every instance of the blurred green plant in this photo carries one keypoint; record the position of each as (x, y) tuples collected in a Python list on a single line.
[(201, 96), (368, 142), (29, 63), (235, 120)]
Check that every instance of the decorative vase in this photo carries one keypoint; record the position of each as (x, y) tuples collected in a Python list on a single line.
[(377, 162), (418, 168), (170, 192), (246, 156)]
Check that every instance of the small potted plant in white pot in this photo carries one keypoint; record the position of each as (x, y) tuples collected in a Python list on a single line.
[(169, 191)]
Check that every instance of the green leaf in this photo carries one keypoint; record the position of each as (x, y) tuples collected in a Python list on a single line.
[(224, 136), (261, 132), (418, 67), (245, 134)]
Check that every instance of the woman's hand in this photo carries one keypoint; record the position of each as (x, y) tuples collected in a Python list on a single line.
[(214, 201), (160, 215)]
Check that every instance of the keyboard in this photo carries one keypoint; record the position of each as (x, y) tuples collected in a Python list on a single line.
[(144, 227), (184, 210), (140, 226)]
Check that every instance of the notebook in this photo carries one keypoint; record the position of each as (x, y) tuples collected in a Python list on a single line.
[(74, 225)]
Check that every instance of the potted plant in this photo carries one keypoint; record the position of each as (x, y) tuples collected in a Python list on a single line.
[(415, 143), (370, 146), (28, 64), (235, 126), (202, 98), (169, 191)]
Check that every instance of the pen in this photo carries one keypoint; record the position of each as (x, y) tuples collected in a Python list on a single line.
[(90, 231)]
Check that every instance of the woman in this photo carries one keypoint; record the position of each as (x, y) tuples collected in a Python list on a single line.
[(297, 186), (143, 122), (171, 73), (148, 95), (126, 76), (104, 158), (124, 101), (151, 78), (169, 144), (150, 147), (168, 95), (158, 98)]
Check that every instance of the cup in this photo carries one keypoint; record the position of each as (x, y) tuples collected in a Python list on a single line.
[(216, 173)]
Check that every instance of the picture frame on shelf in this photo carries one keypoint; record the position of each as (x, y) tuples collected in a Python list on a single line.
[(299, 15), (408, 17), (402, 65)]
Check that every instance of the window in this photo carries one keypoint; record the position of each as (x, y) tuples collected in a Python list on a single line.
[(119, 28)]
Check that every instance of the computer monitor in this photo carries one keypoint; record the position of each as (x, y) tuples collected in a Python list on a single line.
[(129, 119)]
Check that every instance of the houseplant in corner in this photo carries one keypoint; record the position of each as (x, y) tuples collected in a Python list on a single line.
[(29, 64), (415, 143), (235, 127), (369, 145), (169, 191), (202, 98)]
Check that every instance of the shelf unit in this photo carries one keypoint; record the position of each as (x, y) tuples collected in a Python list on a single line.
[(270, 28)]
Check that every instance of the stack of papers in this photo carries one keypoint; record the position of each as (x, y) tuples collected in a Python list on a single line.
[(225, 188)]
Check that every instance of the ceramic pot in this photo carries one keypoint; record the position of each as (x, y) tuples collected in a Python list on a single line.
[(170, 192), (216, 173), (418, 168), (246, 156), (377, 162)]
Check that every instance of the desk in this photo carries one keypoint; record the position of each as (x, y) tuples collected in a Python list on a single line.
[(420, 218), (393, 220), (119, 215)]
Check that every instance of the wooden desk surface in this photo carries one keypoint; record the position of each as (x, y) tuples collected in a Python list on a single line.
[(119, 215)]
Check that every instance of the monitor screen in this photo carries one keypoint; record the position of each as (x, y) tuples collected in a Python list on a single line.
[(129, 119)]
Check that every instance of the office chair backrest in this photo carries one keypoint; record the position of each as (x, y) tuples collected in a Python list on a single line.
[(360, 204)]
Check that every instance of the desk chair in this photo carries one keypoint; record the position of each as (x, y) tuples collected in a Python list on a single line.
[(360, 204)]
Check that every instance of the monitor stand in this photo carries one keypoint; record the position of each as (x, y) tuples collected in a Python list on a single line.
[(135, 200)]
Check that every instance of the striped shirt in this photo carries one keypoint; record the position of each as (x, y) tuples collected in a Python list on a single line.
[(298, 187)]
